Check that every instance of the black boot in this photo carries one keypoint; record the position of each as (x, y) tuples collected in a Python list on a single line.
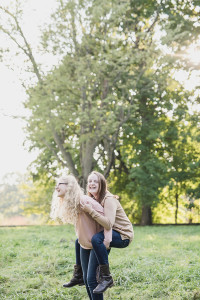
[(77, 278), (105, 280)]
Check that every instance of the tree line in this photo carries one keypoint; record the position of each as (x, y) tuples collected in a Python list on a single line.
[(112, 102)]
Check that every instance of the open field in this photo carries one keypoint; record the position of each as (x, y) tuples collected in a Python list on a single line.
[(161, 263)]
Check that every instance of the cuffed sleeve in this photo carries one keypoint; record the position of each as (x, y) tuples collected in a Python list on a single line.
[(107, 237)]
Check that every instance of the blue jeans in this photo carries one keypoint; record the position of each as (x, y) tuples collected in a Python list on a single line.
[(100, 249), (77, 252), (89, 265)]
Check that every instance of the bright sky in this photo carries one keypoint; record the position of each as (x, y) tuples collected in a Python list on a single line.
[(13, 156)]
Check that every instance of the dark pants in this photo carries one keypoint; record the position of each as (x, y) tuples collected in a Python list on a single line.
[(90, 259), (77, 252), (89, 265), (100, 249)]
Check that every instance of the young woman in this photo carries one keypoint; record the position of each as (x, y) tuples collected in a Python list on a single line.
[(66, 207), (114, 218), (121, 235)]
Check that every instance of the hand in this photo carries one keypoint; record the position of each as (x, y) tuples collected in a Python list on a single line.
[(107, 244), (86, 206)]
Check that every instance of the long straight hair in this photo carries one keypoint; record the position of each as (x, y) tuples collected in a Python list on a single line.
[(102, 186)]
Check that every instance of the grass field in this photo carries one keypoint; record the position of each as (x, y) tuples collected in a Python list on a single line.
[(161, 263)]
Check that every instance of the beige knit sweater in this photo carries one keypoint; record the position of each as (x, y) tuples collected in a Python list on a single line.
[(114, 217), (86, 226)]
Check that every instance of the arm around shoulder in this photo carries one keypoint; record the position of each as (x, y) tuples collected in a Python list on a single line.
[(110, 208)]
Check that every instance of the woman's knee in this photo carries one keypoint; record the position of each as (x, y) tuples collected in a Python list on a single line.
[(97, 238), (94, 240)]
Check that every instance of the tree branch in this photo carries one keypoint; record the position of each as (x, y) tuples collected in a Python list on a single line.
[(66, 154), (27, 51), (54, 152)]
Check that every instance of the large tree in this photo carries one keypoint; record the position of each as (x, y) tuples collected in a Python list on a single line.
[(112, 90), (157, 96)]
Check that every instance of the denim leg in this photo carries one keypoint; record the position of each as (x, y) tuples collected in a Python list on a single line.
[(100, 249), (84, 256), (91, 276), (77, 252), (117, 241)]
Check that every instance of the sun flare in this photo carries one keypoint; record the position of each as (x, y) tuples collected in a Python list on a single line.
[(193, 53)]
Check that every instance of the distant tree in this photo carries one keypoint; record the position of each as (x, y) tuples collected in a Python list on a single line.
[(11, 195), (37, 197), (183, 154), (20, 196)]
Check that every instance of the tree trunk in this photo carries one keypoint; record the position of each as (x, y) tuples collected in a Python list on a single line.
[(176, 211), (86, 153), (146, 215)]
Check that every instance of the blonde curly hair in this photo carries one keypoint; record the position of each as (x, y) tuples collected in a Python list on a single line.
[(67, 209)]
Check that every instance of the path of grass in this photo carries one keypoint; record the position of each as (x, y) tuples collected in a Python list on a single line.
[(161, 263)]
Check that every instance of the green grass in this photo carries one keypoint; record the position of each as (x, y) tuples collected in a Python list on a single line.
[(161, 263)]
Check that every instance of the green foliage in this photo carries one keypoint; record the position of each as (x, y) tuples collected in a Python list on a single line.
[(160, 263), (188, 211), (20, 196), (37, 197), (11, 195), (111, 103), (112, 72)]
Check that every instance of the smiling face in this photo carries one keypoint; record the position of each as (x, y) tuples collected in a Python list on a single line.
[(61, 188), (93, 185)]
